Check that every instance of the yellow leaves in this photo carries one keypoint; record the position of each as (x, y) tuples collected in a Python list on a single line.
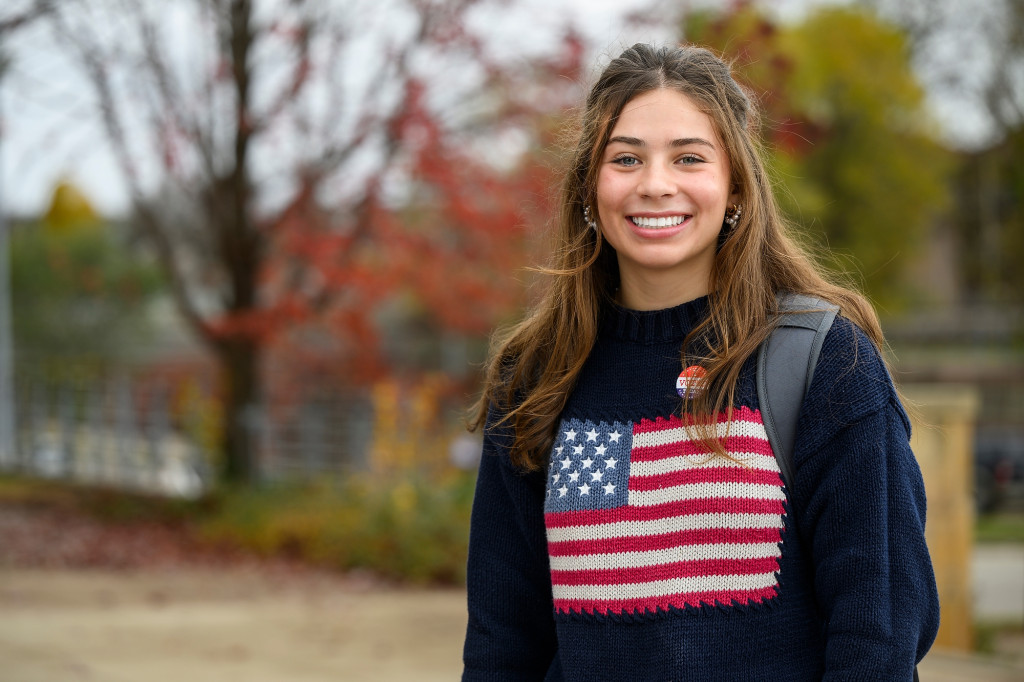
[(848, 63), (403, 497), (410, 433), (851, 143), (201, 416), (70, 211)]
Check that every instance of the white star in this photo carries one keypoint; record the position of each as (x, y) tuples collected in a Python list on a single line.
[(592, 435), (562, 491), (600, 449), (555, 479), (587, 462), (574, 476), (614, 436), (559, 449), (577, 449), (610, 463), (596, 475), (566, 462), (570, 435), (609, 488), (584, 489)]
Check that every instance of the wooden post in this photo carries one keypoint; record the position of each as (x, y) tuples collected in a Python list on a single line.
[(943, 417)]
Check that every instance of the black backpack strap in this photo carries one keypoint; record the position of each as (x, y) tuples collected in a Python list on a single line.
[(785, 367)]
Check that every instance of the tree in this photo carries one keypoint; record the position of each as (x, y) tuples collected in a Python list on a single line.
[(988, 222), (970, 54), (77, 291), (448, 260), (268, 146), (985, 94), (851, 141)]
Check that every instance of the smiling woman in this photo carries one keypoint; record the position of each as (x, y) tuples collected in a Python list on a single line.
[(662, 193), (631, 520)]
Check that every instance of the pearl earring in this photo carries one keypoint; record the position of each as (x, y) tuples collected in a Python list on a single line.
[(732, 214), (591, 223)]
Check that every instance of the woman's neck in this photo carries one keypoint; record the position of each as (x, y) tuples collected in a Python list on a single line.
[(653, 292)]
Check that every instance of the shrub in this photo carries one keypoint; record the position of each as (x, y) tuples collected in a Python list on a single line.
[(404, 527)]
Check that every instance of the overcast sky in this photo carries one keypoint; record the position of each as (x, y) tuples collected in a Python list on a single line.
[(50, 131)]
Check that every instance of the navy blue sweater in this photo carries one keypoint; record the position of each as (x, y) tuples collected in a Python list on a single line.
[(636, 556)]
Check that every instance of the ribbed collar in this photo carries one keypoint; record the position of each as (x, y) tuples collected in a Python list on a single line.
[(654, 326)]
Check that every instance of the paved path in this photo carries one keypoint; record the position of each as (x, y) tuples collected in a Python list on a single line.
[(998, 578), (945, 667)]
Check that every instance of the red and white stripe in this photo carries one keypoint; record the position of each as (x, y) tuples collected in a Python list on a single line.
[(696, 528)]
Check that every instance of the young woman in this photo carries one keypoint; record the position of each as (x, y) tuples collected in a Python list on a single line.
[(623, 529)]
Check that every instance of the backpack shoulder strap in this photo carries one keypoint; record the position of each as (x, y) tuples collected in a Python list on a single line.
[(785, 367)]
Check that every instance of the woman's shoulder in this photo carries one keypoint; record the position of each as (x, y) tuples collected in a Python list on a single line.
[(851, 379), (849, 355)]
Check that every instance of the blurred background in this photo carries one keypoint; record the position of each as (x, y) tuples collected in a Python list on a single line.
[(251, 253)]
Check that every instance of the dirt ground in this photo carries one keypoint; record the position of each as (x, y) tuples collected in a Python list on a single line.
[(236, 624), (84, 599)]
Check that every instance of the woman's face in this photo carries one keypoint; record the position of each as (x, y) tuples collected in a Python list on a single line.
[(662, 191)]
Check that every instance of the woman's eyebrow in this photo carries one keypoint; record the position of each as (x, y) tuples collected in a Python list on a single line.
[(681, 142)]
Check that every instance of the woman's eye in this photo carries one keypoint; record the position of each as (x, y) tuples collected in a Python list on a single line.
[(627, 161), (690, 159)]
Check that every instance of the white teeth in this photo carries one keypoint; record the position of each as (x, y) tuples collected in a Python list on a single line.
[(658, 222)]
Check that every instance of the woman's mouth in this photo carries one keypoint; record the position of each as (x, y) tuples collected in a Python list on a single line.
[(655, 223)]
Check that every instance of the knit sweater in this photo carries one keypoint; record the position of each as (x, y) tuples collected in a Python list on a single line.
[(637, 556)]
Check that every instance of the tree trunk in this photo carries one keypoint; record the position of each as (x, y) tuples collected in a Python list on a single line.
[(239, 360), (240, 247)]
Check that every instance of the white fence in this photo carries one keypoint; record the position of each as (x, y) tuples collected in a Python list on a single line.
[(140, 435)]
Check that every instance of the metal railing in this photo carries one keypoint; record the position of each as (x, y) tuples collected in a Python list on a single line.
[(163, 436)]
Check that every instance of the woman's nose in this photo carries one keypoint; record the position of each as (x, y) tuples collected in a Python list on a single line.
[(656, 181)]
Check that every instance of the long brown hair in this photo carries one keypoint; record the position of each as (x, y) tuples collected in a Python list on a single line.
[(534, 365)]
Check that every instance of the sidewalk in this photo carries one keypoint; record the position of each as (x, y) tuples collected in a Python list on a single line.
[(941, 666), (997, 573)]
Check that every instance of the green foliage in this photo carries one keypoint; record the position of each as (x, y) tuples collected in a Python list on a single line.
[(1000, 528), (1001, 640), (76, 291), (104, 504), (850, 141), (405, 528), (989, 221)]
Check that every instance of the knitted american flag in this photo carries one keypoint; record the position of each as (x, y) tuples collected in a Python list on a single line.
[(641, 518)]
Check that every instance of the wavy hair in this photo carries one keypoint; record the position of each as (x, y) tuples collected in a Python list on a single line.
[(534, 365)]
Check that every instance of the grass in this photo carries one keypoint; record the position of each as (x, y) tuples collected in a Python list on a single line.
[(1000, 640), (1002, 527)]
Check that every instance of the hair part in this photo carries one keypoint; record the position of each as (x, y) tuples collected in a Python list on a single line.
[(534, 365)]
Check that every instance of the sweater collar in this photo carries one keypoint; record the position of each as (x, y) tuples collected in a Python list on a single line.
[(654, 326)]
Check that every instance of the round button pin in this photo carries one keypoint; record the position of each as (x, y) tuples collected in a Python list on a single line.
[(690, 382)]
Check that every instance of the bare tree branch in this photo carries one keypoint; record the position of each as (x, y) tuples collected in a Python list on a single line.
[(258, 156), (92, 61), (36, 10)]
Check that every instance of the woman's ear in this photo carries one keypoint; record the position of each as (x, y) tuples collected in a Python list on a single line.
[(734, 196)]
